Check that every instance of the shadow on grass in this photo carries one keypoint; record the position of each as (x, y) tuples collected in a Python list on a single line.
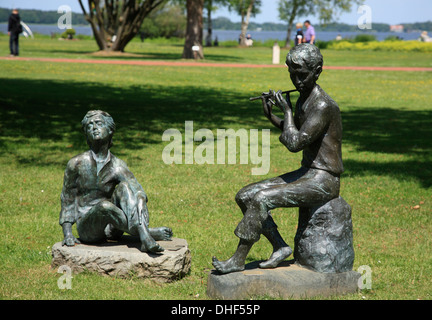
[(51, 111), (61, 52), (164, 56), (394, 132), (141, 55), (389, 130)]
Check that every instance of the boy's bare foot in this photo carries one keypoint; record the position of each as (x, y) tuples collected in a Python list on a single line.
[(227, 266), (161, 233), (151, 246), (277, 257)]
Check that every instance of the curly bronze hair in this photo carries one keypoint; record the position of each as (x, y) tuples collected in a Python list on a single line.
[(306, 54)]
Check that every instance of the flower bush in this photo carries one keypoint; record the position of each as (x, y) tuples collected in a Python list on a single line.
[(405, 46)]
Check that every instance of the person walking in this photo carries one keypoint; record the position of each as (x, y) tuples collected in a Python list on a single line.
[(14, 29), (309, 36)]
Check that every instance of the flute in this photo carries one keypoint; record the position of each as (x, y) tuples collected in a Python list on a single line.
[(268, 95)]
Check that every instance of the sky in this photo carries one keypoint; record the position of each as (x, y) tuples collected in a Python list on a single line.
[(383, 11)]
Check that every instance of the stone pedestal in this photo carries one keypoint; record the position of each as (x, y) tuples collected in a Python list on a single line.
[(324, 238), (124, 259), (287, 281)]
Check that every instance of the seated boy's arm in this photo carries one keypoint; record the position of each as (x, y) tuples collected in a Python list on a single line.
[(69, 194), (314, 126), (68, 200), (268, 112)]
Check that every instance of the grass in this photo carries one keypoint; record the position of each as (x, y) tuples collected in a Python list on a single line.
[(171, 50), (386, 148)]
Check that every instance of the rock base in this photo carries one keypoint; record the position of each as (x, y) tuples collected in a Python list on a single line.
[(324, 238), (124, 259), (287, 281)]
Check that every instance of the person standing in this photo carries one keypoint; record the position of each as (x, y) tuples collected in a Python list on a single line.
[(299, 35), (14, 29), (310, 35)]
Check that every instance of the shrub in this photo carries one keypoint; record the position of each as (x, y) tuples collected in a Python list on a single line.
[(68, 34), (392, 38), (323, 44), (229, 43), (268, 43), (393, 45), (364, 38)]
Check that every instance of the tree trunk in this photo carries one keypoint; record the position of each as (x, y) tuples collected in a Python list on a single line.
[(116, 22), (194, 30), (209, 24), (290, 24), (245, 23)]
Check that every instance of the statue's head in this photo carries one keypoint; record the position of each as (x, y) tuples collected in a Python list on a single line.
[(98, 126), (305, 63)]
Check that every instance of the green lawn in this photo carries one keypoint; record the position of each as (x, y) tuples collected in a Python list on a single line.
[(172, 50), (387, 155)]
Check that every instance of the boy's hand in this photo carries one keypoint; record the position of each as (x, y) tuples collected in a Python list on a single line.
[(284, 105), (267, 103), (267, 107)]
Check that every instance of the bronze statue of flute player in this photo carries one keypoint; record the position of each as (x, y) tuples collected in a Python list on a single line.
[(315, 128)]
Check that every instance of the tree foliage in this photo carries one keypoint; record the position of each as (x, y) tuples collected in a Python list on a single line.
[(246, 9), (288, 11), (327, 10), (210, 6), (165, 22)]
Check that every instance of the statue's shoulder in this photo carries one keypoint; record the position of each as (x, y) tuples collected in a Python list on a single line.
[(79, 160), (118, 163), (116, 159), (324, 101)]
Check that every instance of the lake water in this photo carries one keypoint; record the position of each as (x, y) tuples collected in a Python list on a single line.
[(226, 35)]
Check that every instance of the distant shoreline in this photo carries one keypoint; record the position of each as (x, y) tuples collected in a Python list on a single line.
[(48, 17), (232, 35)]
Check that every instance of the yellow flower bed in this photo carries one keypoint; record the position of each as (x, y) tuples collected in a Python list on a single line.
[(406, 46)]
